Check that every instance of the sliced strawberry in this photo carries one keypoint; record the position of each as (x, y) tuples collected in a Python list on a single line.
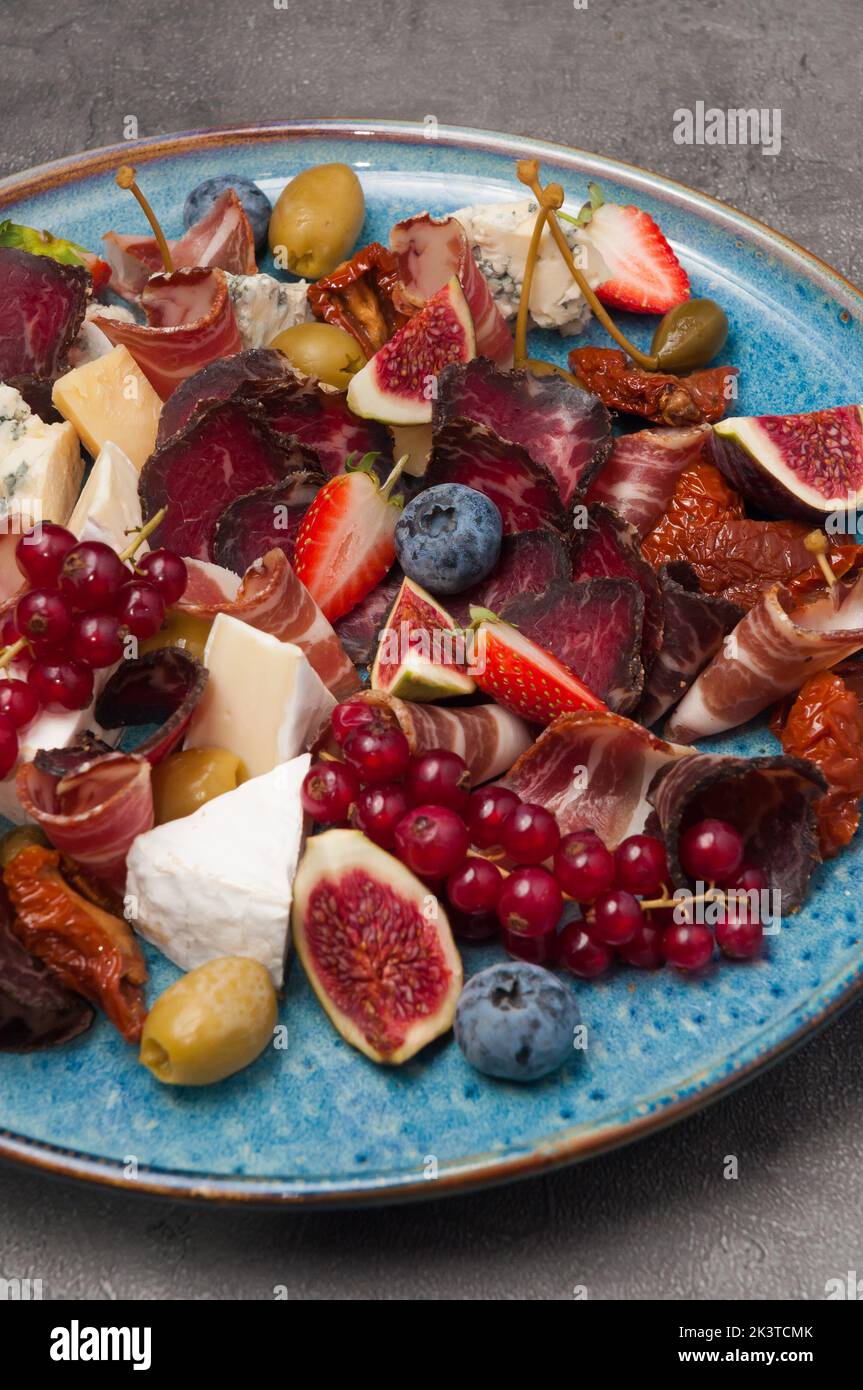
[(522, 676), (645, 275), (346, 541)]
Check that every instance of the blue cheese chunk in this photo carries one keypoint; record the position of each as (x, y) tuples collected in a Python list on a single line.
[(499, 235), (40, 477), (265, 307)]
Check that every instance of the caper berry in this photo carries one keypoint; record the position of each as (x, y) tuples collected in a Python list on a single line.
[(689, 335)]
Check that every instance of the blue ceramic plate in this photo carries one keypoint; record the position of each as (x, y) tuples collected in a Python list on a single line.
[(317, 1123)]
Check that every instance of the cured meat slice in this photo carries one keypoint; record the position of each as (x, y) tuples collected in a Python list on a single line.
[(772, 650), (594, 628), (175, 344), (226, 452), (563, 429), (42, 306), (528, 564), (272, 598), (608, 546), (223, 238), (430, 250), (265, 519), (693, 628), (768, 799), (593, 770), (162, 687), (359, 630), (36, 1010), (487, 737), (321, 420), (639, 479), (523, 491), (244, 374)]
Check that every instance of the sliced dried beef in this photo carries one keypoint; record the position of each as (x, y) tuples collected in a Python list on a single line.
[(42, 304), (268, 517), (162, 687), (528, 563), (360, 629), (321, 420), (606, 546), (693, 628), (243, 374), (524, 492)]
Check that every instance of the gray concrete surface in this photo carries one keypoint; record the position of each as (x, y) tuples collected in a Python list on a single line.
[(658, 1219)]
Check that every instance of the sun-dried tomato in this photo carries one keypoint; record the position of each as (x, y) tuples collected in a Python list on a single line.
[(89, 950), (825, 725), (658, 396), (358, 297), (701, 496)]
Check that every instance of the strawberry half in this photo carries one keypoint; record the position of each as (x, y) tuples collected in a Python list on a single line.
[(522, 676), (346, 541), (645, 276)]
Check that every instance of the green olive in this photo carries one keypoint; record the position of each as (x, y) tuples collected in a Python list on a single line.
[(179, 630), (20, 838), (690, 335), (187, 780), (209, 1024), (316, 220), (323, 351)]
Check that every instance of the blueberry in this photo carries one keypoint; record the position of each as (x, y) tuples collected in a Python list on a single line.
[(516, 1021), (256, 204), (448, 538)]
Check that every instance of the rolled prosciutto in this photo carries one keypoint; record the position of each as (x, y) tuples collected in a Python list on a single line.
[(222, 237)]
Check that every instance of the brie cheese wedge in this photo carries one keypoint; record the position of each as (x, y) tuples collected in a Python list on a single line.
[(220, 881), (109, 508)]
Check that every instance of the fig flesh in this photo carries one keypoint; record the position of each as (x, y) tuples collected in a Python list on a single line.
[(417, 651)]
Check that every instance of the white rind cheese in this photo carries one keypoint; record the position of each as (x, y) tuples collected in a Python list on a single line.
[(265, 307), (220, 881), (109, 507), (91, 342)]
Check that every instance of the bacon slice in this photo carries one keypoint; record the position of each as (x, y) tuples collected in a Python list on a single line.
[(563, 429), (488, 737), (693, 628), (191, 323), (222, 238), (524, 492), (93, 814), (272, 598), (42, 306), (430, 251), (770, 653), (639, 479), (768, 799), (608, 546)]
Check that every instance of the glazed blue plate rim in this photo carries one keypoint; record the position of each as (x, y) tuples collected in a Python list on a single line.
[(573, 1142)]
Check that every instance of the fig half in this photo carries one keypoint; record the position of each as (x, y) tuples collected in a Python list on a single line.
[(376, 946), (794, 465)]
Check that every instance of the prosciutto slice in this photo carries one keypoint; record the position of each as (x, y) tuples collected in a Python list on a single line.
[(42, 306), (593, 771), (608, 546), (272, 598), (594, 628), (488, 737), (430, 250), (562, 428), (191, 323), (639, 479), (769, 654), (524, 492), (94, 813), (528, 564), (768, 799), (223, 238), (693, 628)]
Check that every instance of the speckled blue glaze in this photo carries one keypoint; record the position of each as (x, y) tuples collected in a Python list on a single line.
[(317, 1122)]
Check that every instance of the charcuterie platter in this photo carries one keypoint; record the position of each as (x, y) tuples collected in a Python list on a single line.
[(430, 689)]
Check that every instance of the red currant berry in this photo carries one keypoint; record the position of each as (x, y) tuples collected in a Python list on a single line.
[(8, 745), (166, 571), (40, 553), (474, 926), (711, 851), (617, 916), (740, 934), (378, 812), (488, 809), (43, 617), (530, 902), (91, 575), (351, 715), (475, 886), (644, 950), (432, 841), (96, 639), (18, 701), (538, 950), (583, 867), (749, 878), (378, 755), (65, 684), (140, 608), (581, 954), (9, 633), (439, 778), (530, 834), (641, 866), (687, 945), (328, 792)]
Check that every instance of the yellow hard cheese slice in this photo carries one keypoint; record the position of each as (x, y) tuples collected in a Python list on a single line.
[(110, 398)]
